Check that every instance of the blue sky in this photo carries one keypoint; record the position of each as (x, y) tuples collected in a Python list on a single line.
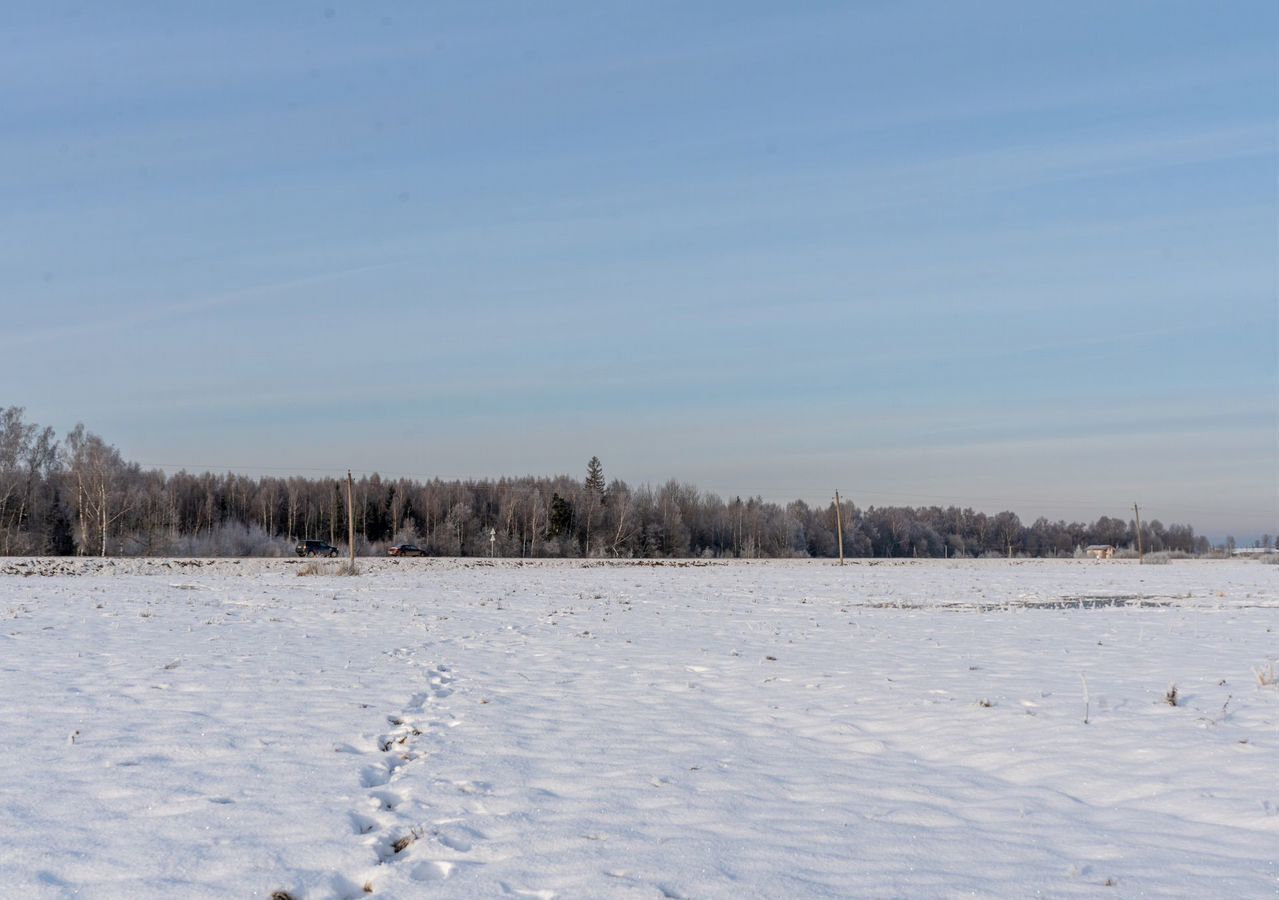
[(1000, 254)]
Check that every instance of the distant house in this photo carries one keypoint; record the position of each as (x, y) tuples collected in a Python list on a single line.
[(1100, 551)]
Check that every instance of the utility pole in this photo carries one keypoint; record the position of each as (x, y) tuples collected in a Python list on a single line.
[(839, 525), (350, 516), (1141, 556)]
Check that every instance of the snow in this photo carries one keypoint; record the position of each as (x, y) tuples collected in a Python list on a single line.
[(776, 729)]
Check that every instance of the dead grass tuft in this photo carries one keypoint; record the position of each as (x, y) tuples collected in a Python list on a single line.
[(318, 568)]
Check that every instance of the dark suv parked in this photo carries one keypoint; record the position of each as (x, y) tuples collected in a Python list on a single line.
[(316, 548)]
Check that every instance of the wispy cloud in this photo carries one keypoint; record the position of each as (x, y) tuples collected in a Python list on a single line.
[(107, 318)]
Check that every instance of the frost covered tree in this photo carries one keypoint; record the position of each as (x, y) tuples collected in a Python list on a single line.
[(27, 457), (1008, 528), (98, 474), (81, 496), (619, 523)]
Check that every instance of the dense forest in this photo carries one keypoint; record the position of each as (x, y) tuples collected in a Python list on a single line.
[(78, 495)]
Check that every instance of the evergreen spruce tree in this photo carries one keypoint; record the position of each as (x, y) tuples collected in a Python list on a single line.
[(561, 518), (593, 501), (595, 477), (58, 539)]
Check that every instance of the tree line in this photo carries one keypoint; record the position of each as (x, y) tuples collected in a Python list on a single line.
[(78, 495)]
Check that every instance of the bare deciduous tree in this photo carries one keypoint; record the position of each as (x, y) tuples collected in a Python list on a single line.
[(101, 497)]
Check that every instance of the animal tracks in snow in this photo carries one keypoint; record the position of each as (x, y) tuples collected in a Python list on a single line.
[(394, 819)]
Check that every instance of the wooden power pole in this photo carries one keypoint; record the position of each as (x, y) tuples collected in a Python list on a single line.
[(350, 515), (1141, 556), (839, 526)]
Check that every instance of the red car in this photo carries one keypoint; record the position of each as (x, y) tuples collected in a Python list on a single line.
[(406, 550)]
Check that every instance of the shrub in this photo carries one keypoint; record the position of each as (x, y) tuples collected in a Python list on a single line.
[(346, 567)]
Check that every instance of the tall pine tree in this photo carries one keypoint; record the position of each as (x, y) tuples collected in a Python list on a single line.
[(595, 477), (593, 501)]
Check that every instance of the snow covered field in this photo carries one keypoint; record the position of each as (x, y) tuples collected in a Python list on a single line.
[(448, 728)]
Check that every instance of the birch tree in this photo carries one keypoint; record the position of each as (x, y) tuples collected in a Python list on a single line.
[(27, 454), (97, 472)]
